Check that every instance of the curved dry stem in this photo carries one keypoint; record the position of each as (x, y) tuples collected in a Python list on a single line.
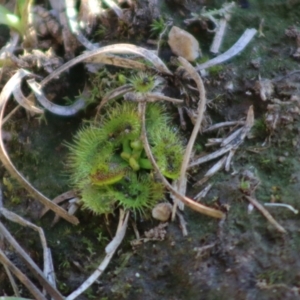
[(187, 201), (116, 48), (35, 292), (242, 42), (52, 107), (11, 280), (31, 264), (21, 221), (23, 101), (110, 250), (200, 113), (150, 97), (4, 96), (71, 13), (117, 61)]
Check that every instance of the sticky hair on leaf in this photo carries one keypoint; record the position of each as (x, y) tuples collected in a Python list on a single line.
[(108, 164), (122, 122), (99, 200), (168, 150), (107, 174), (140, 192), (142, 82)]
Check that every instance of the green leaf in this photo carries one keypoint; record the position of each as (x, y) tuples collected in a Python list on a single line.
[(10, 19)]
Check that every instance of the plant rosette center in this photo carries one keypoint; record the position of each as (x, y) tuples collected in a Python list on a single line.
[(108, 164)]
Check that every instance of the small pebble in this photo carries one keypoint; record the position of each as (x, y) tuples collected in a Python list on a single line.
[(162, 211), (183, 44)]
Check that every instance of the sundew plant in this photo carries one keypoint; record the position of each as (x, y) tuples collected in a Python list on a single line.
[(108, 164)]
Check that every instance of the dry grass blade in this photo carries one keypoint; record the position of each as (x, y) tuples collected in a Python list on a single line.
[(17, 219), (150, 97), (23, 101), (118, 11), (200, 113), (71, 13), (116, 48), (235, 142), (226, 141), (220, 30), (22, 277), (290, 207), (117, 61), (212, 171), (187, 201), (242, 42), (4, 96), (59, 199), (11, 280), (266, 214), (54, 108), (110, 250), (210, 156), (203, 192), (31, 264), (223, 124), (10, 46)]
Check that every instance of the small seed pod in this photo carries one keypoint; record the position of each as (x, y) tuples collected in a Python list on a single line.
[(162, 211)]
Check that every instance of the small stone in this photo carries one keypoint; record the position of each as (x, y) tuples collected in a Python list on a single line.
[(162, 211), (183, 44)]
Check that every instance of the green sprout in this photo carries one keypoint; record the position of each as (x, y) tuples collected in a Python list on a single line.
[(10, 19), (142, 82), (157, 26), (19, 19), (108, 164), (245, 185)]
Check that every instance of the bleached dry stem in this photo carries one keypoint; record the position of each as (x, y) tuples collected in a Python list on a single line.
[(4, 96), (110, 250), (223, 124), (30, 264), (35, 292), (239, 46), (11, 280), (150, 97)]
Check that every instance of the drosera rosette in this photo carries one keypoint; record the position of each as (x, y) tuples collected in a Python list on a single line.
[(143, 82), (108, 164)]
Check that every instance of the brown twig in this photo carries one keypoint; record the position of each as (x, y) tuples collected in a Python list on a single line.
[(200, 113), (150, 97), (11, 279), (187, 201), (31, 265), (266, 214), (22, 277)]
